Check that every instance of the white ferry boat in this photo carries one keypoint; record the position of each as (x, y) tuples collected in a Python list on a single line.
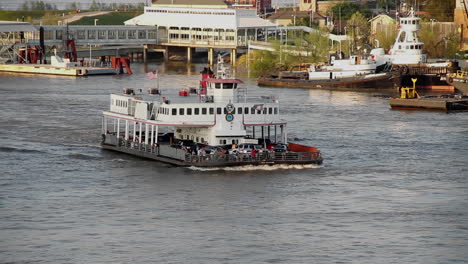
[(221, 128)]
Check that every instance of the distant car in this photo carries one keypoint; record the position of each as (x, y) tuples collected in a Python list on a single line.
[(280, 148)]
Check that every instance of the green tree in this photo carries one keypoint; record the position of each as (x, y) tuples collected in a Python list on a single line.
[(386, 35), (345, 10), (25, 6), (358, 30), (94, 6), (440, 10), (74, 6), (386, 4)]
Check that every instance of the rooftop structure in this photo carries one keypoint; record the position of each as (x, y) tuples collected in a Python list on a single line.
[(191, 3)]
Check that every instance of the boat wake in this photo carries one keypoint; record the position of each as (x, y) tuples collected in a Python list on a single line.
[(258, 167)]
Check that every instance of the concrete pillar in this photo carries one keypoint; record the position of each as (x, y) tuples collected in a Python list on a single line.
[(166, 53), (233, 56), (189, 54), (210, 56), (145, 53)]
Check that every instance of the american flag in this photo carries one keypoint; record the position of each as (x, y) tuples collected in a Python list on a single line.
[(152, 75)]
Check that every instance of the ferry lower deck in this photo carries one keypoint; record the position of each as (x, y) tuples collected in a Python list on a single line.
[(177, 156)]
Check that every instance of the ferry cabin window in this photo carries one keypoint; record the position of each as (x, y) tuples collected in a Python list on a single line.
[(181, 111), (228, 85), (264, 111), (189, 111), (211, 111), (239, 110), (276, 110), (225, 110), (270, 111), (218, 110), (197, 111), (203, 111), (174, 111), (217, 85), (202, 140), (246, 110)]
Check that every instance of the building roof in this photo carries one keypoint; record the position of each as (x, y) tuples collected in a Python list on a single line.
[(189, 2), (381, 16), (199, 18), (289, 14), (14, 26)]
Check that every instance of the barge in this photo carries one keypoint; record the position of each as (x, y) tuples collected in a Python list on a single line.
[(217, 127), (459, 80), (410, 99), (377, 81)]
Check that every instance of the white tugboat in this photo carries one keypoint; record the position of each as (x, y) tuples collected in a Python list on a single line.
[(407, 48), (222, 128), (407, 58)]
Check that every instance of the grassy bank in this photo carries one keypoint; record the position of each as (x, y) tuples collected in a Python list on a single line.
[(114, 18), (28, 16)]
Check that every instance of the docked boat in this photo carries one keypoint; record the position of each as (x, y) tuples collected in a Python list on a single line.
[(354, 72), (407, 58), (459, 80), (217, 127)]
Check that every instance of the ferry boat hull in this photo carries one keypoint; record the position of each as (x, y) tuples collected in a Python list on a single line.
[(168, 154), (376, 81)]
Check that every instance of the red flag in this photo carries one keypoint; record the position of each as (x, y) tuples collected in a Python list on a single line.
[(151, 75)]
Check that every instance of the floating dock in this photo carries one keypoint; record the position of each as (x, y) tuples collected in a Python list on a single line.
[(54, 70), (410, 99), (431, 103)]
